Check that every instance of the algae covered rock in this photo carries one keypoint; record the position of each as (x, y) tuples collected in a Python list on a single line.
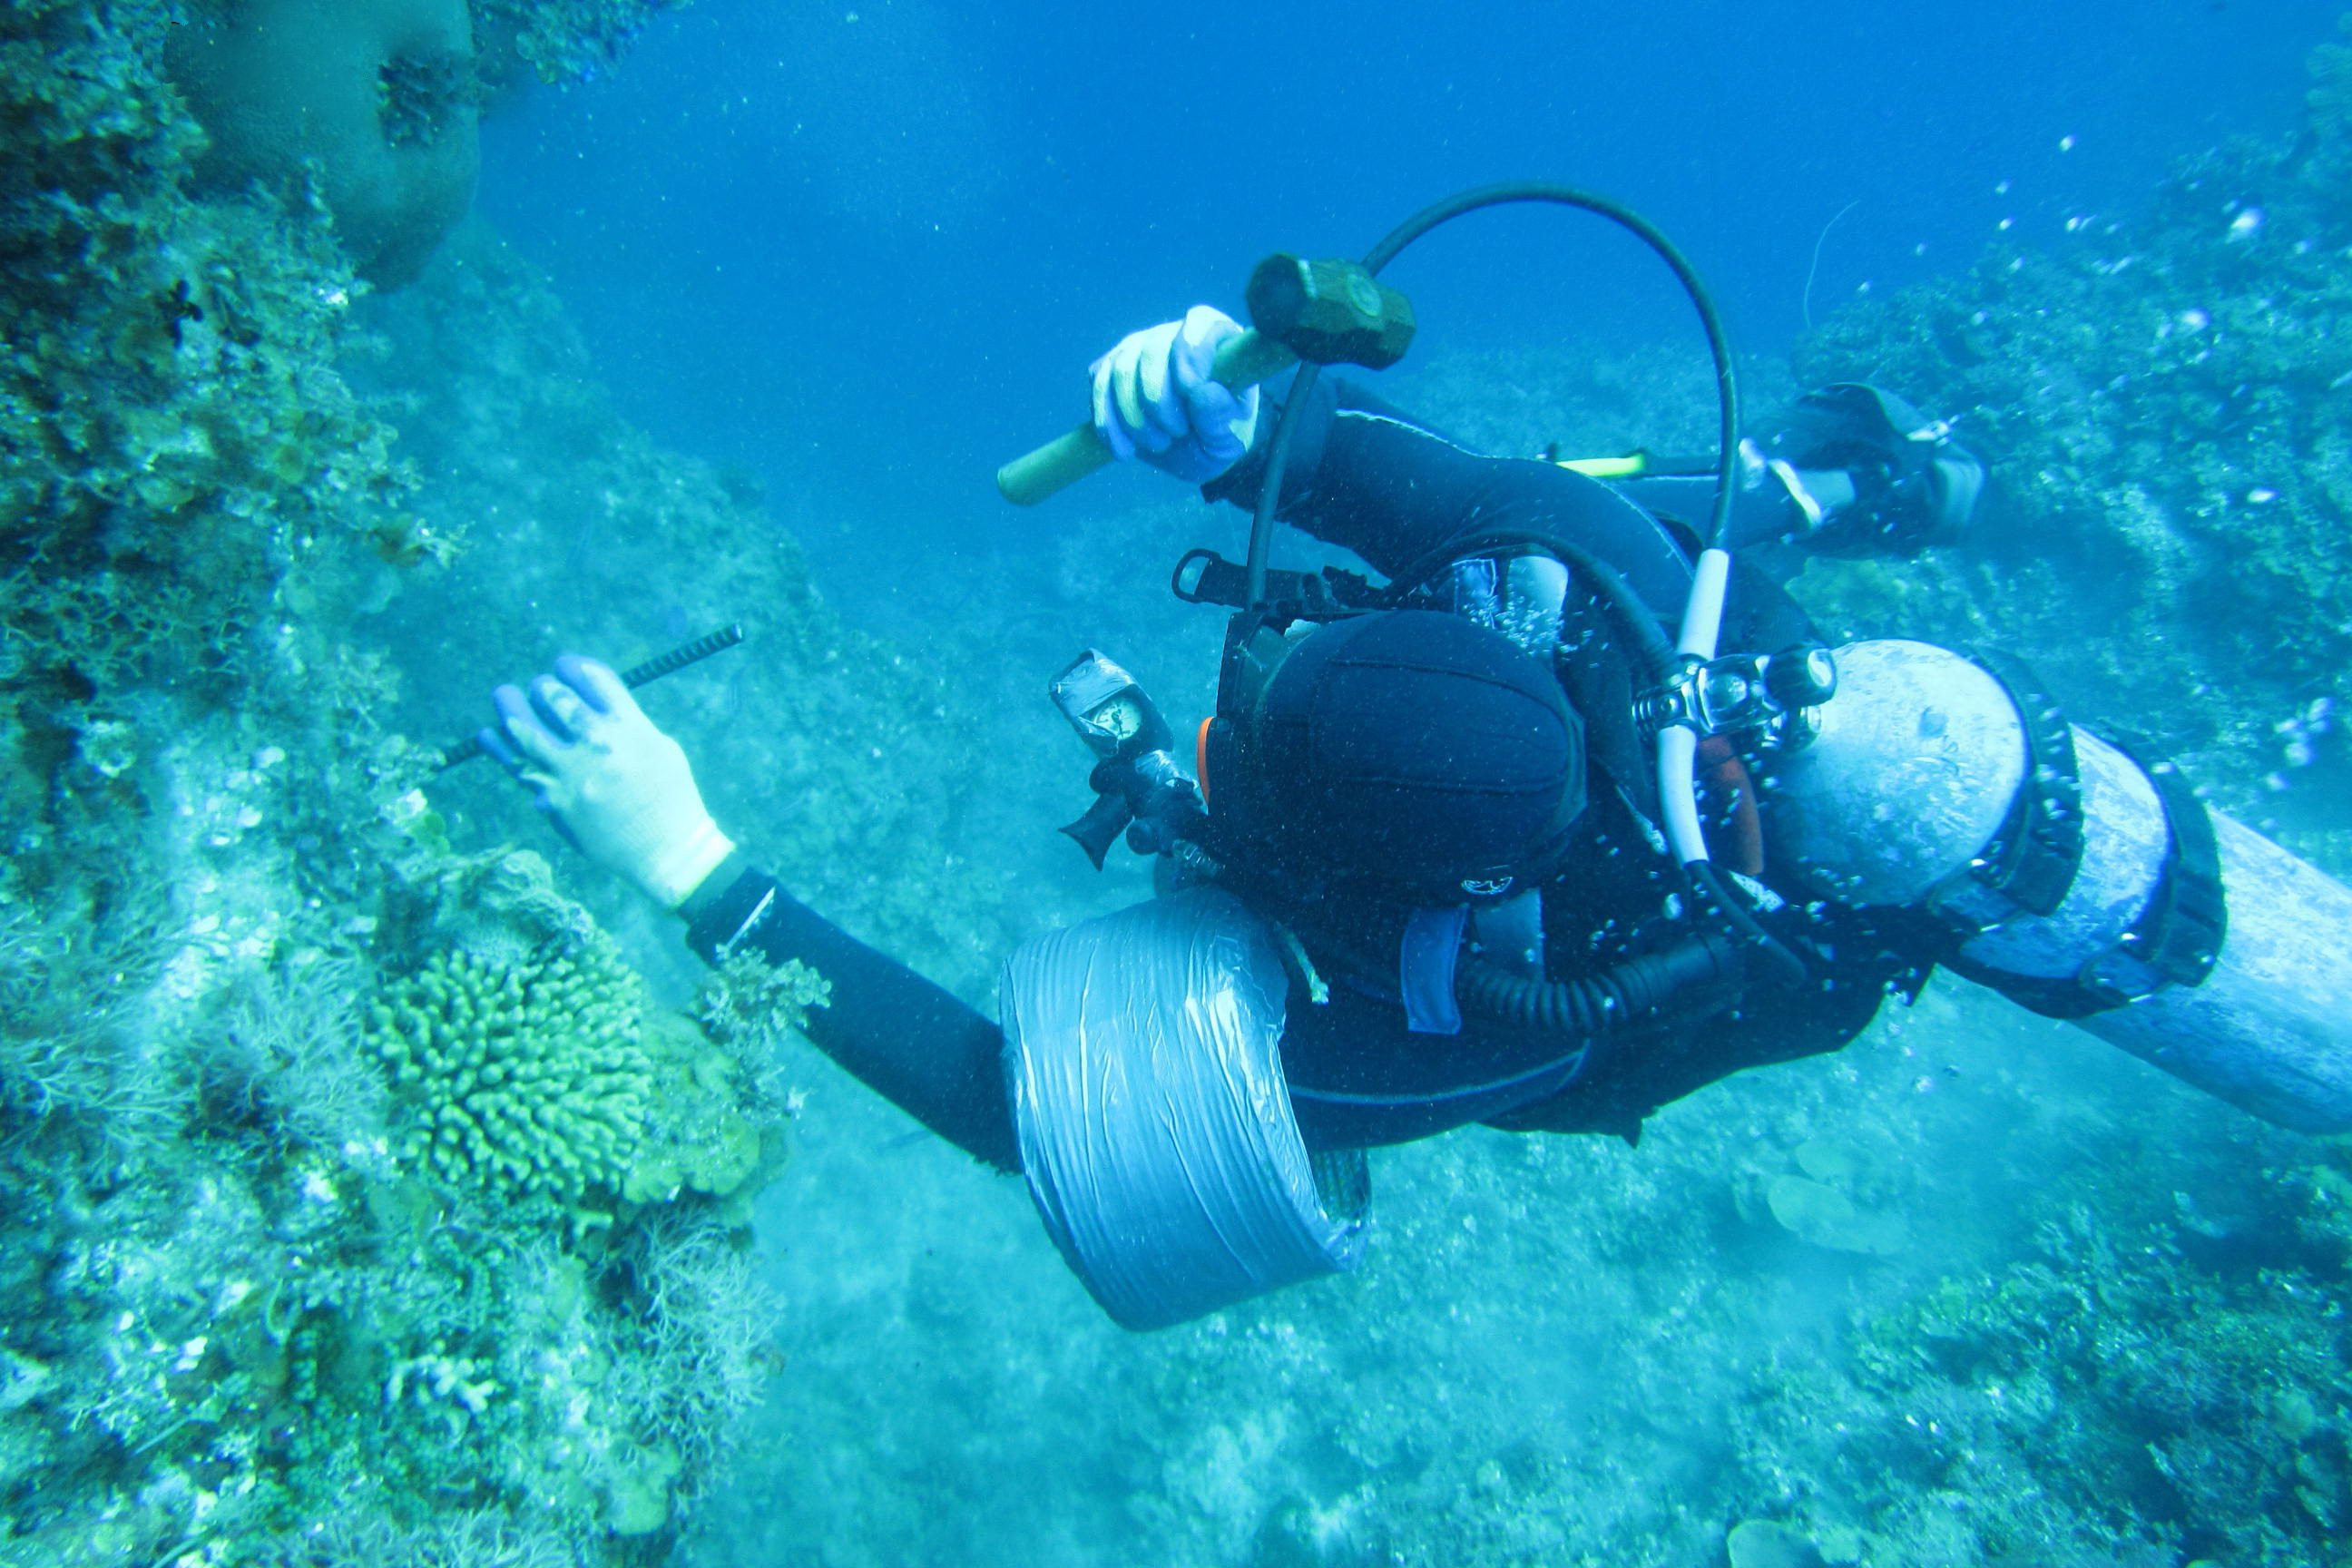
[(377, 96), (1818, 1212), (1768, 1543)]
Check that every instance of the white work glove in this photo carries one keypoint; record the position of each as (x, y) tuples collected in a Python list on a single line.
[(617, 788), (1157, 398)]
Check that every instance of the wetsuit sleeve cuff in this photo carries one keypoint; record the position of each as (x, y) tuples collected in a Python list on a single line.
[(1240, 484), (727, 907)]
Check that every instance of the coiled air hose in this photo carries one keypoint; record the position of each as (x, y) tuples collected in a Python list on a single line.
[(1594, 1008)]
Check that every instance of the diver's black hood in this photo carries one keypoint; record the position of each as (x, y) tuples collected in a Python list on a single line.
[(1410, 750)]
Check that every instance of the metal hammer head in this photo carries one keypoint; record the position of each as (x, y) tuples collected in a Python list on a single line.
[(1329, 312)]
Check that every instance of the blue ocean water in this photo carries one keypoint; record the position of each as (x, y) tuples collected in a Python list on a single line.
[(866, 250)]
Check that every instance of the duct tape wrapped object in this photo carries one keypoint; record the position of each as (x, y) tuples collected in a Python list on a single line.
[(1156, 1131)]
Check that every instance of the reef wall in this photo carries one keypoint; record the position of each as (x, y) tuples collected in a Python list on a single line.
[(2165, 397), (359, 1200)]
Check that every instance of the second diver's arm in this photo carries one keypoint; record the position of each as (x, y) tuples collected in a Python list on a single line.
[(1858, 472), (624, 794), (1373, 479)]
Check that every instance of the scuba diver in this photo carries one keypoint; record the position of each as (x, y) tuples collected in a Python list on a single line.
[(1417, 870)]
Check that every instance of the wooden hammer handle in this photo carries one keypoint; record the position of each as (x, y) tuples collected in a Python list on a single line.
[(1029, 479)]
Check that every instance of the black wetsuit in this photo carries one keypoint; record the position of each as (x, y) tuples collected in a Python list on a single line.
[(1391, 489)]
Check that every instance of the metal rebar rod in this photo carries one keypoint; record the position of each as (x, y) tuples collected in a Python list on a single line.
[(638, 675)]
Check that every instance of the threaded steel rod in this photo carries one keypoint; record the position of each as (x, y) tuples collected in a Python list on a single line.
[(638, 675)]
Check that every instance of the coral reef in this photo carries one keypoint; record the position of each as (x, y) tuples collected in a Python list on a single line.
[(248, 1328), (373, 99), (520, 1073), (365, 112), (2166, 401), (268, 1292)]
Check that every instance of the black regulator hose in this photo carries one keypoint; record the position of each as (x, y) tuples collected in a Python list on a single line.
[(1596, 1008), (1277, 457), (1584, 1015)]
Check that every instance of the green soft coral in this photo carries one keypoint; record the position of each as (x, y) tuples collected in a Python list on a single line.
[(524, 1074)]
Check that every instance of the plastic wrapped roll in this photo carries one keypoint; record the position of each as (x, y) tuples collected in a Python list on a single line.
[(1156, 1131)]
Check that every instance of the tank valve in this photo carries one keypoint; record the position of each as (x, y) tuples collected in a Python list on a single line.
[(1764, 701)]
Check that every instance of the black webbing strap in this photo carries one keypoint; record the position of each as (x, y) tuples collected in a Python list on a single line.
[(2180, 933), (2032, 859), (2177, 937), (1205, 577)]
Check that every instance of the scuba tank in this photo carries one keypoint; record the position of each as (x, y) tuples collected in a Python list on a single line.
[(2078, 876)]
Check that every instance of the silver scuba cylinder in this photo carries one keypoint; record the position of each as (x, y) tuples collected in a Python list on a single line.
[(1916, 789)]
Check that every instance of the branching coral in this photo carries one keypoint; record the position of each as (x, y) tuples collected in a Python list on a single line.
[(274, 1304), (522, 1074)]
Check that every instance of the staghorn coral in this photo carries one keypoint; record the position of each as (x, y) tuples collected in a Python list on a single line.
[(523, 1075)]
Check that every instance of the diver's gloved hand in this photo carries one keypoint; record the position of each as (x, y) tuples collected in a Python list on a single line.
[(1156, 397), (619, 789)]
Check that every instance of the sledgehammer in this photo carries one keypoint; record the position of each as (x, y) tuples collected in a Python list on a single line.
[(1325, 312)]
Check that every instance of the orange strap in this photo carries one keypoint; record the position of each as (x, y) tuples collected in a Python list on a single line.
[(1736, 833), (1201, 757)]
